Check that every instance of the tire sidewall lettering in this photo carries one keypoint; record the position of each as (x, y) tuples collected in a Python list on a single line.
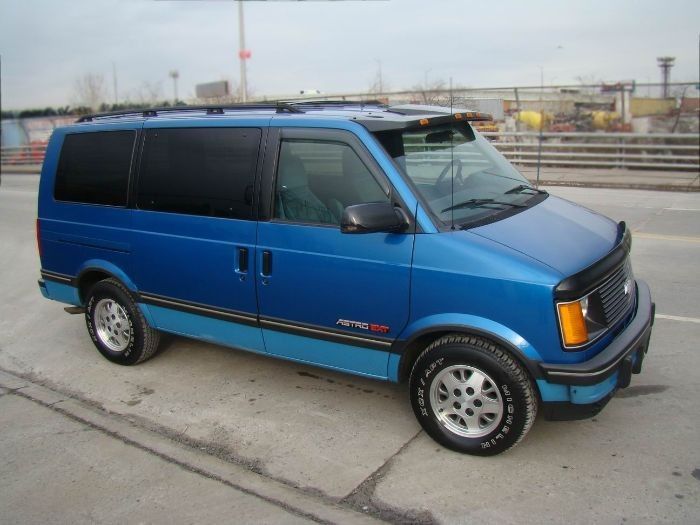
[(507, 419), (423, 403), (513, 418)]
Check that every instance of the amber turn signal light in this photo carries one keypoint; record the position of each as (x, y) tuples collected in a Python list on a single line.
[(573, 325)]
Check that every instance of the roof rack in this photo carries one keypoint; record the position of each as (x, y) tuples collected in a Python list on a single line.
[(320, 104), (279, 107)]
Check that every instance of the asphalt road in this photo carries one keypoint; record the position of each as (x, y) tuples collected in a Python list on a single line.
[(227, 430)]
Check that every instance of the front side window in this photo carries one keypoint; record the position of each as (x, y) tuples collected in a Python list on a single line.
[(94, 167), (317, 180), (199, 171), (461, 177)]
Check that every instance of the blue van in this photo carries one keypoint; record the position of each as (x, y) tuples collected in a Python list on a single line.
[(391, 242)]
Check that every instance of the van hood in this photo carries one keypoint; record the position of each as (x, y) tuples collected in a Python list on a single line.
[(559, 233)]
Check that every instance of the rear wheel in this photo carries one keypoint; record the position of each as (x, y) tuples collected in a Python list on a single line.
[(117, 326), (471, 396)]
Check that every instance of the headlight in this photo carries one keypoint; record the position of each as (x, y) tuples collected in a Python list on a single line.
[(581, 321)]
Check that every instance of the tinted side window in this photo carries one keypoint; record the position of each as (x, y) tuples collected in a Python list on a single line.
[(94, 167), (199, 171), (317, 180)]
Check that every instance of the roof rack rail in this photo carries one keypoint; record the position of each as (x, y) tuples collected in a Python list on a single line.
[(279, 107), (323, 103)]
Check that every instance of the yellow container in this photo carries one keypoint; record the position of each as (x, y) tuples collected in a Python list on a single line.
[(604, 119), (534, 120)]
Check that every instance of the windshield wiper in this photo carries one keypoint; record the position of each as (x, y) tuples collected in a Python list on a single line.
[(475, 203), (522, 187)]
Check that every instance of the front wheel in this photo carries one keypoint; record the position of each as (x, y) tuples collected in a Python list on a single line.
[(471, 396), (117, 326)]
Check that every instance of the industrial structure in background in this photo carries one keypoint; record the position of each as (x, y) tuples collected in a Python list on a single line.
[(607, 125), (213, 92), (665, 63), (603, 125)]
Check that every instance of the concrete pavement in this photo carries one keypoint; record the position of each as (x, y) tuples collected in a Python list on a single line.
[(353, 443), (66, 461), (57, 469)]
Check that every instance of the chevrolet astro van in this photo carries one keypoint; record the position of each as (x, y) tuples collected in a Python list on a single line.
[(390, 242)]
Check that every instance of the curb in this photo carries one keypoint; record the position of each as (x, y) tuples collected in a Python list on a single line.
[(622, 186), (12, 169)]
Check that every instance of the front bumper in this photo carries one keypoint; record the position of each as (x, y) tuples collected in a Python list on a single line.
[(623, 355), (581, 390)]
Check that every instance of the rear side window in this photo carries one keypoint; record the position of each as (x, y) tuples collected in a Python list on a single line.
[(94, 167), (199, 171)]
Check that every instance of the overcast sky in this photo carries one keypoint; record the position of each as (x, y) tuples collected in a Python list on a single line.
[(337, 46)]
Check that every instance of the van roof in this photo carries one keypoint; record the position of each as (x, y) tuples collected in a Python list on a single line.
[(372, 114)]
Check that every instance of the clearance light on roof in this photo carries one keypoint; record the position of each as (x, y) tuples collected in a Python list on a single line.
[(470, 116), (424, 122), (473, 116)]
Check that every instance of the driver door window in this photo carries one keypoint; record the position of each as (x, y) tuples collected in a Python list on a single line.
[(317, 180)]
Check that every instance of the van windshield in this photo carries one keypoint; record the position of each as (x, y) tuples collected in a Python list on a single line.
[(459, 175)]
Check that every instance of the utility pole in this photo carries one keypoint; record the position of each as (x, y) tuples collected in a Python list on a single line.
[(539, 142), (243, 53), (174, 74), (114, 79), (665, 63)]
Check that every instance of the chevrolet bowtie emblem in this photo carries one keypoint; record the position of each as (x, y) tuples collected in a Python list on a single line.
[(627, 288)]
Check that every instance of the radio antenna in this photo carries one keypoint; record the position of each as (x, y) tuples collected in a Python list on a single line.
[(452, 164)]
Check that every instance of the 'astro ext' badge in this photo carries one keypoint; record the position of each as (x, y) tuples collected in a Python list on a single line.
[(370, 327)]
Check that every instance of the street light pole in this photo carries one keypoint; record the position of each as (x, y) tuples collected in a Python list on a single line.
[(174, 74), (242, 53), (114, 79)]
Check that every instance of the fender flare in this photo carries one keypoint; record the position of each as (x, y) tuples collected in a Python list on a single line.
[(99, 265), (114, 272), (516, 345)]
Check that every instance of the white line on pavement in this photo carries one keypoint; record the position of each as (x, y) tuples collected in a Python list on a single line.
[(678, 318), (657, 236)]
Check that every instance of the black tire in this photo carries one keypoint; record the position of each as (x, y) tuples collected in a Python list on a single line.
[(127, 327), (457, 358)]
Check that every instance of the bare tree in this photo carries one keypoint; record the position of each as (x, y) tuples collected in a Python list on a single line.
[(430, 92), (378, 84), (590, 84), (149, 93), (89, 91)]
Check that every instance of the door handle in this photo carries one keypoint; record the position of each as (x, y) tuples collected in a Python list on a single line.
[(243, 260), (266, 263)]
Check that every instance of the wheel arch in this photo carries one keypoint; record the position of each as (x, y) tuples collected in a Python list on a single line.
[(410, 349), (95, 271)]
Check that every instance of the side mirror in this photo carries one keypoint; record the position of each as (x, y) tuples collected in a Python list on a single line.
[(373, 217)]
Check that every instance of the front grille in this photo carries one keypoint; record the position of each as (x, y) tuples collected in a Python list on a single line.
[(617, 294)]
